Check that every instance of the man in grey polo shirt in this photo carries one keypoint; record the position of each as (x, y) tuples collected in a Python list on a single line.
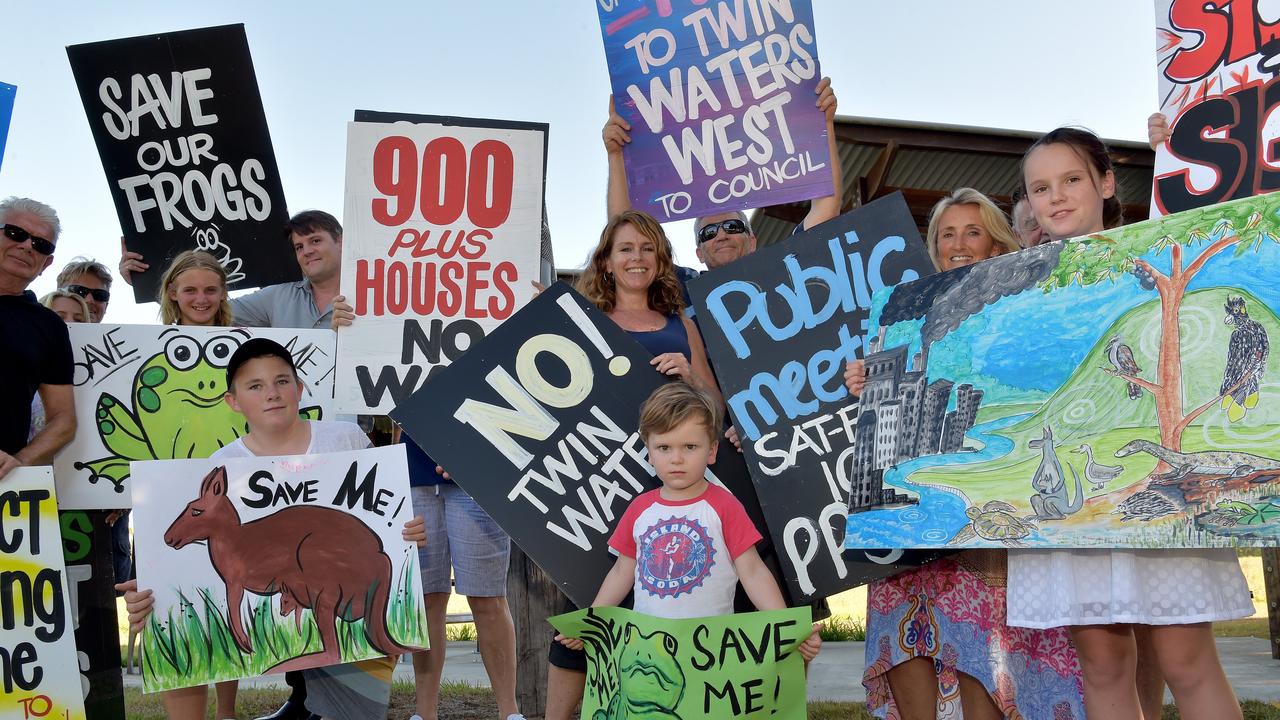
[(305, 304)]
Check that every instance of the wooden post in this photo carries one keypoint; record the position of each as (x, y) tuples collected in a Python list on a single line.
[(533, 598), (1271, 579)]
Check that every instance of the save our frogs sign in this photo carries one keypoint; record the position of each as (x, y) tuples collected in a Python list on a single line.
[(269, 564), (184, 143), (38, 665), (720, 99), (443, 230), (154, 392)]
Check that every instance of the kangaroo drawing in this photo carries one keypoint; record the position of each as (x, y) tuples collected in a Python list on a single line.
[(313, 557), (1051, 501)]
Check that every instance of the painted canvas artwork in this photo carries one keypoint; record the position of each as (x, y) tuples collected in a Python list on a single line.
[(269, 564), (1117, 390)]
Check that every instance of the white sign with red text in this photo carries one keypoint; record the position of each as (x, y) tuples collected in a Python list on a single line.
[(441, 244)]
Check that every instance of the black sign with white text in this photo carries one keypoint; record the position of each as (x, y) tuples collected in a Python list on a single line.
[(184, 143)]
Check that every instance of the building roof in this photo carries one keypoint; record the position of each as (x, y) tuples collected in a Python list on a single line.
[(928, 160)]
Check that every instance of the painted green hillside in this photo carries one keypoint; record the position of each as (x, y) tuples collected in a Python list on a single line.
[(1094, 407)]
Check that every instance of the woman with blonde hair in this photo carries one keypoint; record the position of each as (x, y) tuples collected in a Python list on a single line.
[(937, 637), (69, 306), (193, 291), (967, 226)]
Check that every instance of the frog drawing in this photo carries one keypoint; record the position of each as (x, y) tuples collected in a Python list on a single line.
[(651, 679), (178, 410)]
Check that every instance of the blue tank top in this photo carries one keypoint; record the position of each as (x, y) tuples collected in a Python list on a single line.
[(672, 337)]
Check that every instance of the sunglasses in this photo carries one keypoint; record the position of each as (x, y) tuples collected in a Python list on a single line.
[(99, 294), (20, 235), (732, 226)]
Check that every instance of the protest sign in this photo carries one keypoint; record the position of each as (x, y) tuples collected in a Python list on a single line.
[(233, 547), (154, 392), (741, 666), (7, 94), (1117, 390), (539, 425), (184, 143), (720, 100), (87, 552), (1216, 66), (38, 663), (443, 231), (779, 326)]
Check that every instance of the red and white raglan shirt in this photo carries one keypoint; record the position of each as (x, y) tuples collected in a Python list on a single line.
[(684, 551)]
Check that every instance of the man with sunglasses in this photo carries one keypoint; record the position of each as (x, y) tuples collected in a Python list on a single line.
[(37, 350), (90, 280)]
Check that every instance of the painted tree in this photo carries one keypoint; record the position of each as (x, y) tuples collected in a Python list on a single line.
[(1190, 240)]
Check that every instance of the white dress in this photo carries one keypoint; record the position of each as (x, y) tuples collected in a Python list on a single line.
[(1053, 588)]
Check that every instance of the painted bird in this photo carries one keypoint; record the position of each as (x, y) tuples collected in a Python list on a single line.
[(1246, 360), (1121, 358)]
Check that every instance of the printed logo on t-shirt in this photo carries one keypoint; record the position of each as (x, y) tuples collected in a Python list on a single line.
[(676, 556)]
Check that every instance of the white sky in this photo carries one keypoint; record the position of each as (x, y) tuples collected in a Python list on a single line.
[(1017, 64)]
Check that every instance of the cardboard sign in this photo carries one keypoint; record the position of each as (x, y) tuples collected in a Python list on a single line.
[(1115, 391), (720, 99), (740, 666), (1216, 66), (184, 144), (539, 425), (7, 94), (779, 326), (87, 551), (154, 392), (38, 664), (269, 564), (443, 225)]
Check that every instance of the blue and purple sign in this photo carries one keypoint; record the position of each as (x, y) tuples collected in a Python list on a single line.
[(721, 98), (7, 93)]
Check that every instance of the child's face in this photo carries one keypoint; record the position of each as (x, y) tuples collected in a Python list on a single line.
[(69, 310), (681, 456), (1065, 192), (199, 293), (267, 393)]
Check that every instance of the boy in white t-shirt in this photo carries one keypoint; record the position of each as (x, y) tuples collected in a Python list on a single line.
[(684, 547), (263, 385)]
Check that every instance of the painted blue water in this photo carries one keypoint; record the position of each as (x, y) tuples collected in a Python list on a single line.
[(943, 514)]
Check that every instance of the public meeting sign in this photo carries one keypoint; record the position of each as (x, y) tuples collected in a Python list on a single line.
[(443, 230), (184, 144), (720, 99), (1216, 65), (779, 325)]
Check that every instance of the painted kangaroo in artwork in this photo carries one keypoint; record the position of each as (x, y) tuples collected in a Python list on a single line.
[(1051, 501), (313, 557)]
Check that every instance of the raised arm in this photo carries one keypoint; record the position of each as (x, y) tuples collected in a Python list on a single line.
[(616, 134), (824, 208)]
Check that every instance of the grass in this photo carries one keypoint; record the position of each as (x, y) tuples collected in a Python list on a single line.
[(194, 639), (465, 702), (842, 628)]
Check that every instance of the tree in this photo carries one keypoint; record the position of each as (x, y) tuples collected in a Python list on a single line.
[(1243, 225)]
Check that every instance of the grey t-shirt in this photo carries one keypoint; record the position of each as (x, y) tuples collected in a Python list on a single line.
[(287, 305), (326, 436)]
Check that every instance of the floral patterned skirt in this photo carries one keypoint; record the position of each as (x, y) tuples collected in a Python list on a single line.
[(952, 611)]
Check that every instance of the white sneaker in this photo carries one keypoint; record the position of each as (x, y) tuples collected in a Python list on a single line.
[(513, 716)]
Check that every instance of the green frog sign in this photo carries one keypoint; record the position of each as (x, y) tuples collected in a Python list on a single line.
[(146, 392), (646, 668)]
